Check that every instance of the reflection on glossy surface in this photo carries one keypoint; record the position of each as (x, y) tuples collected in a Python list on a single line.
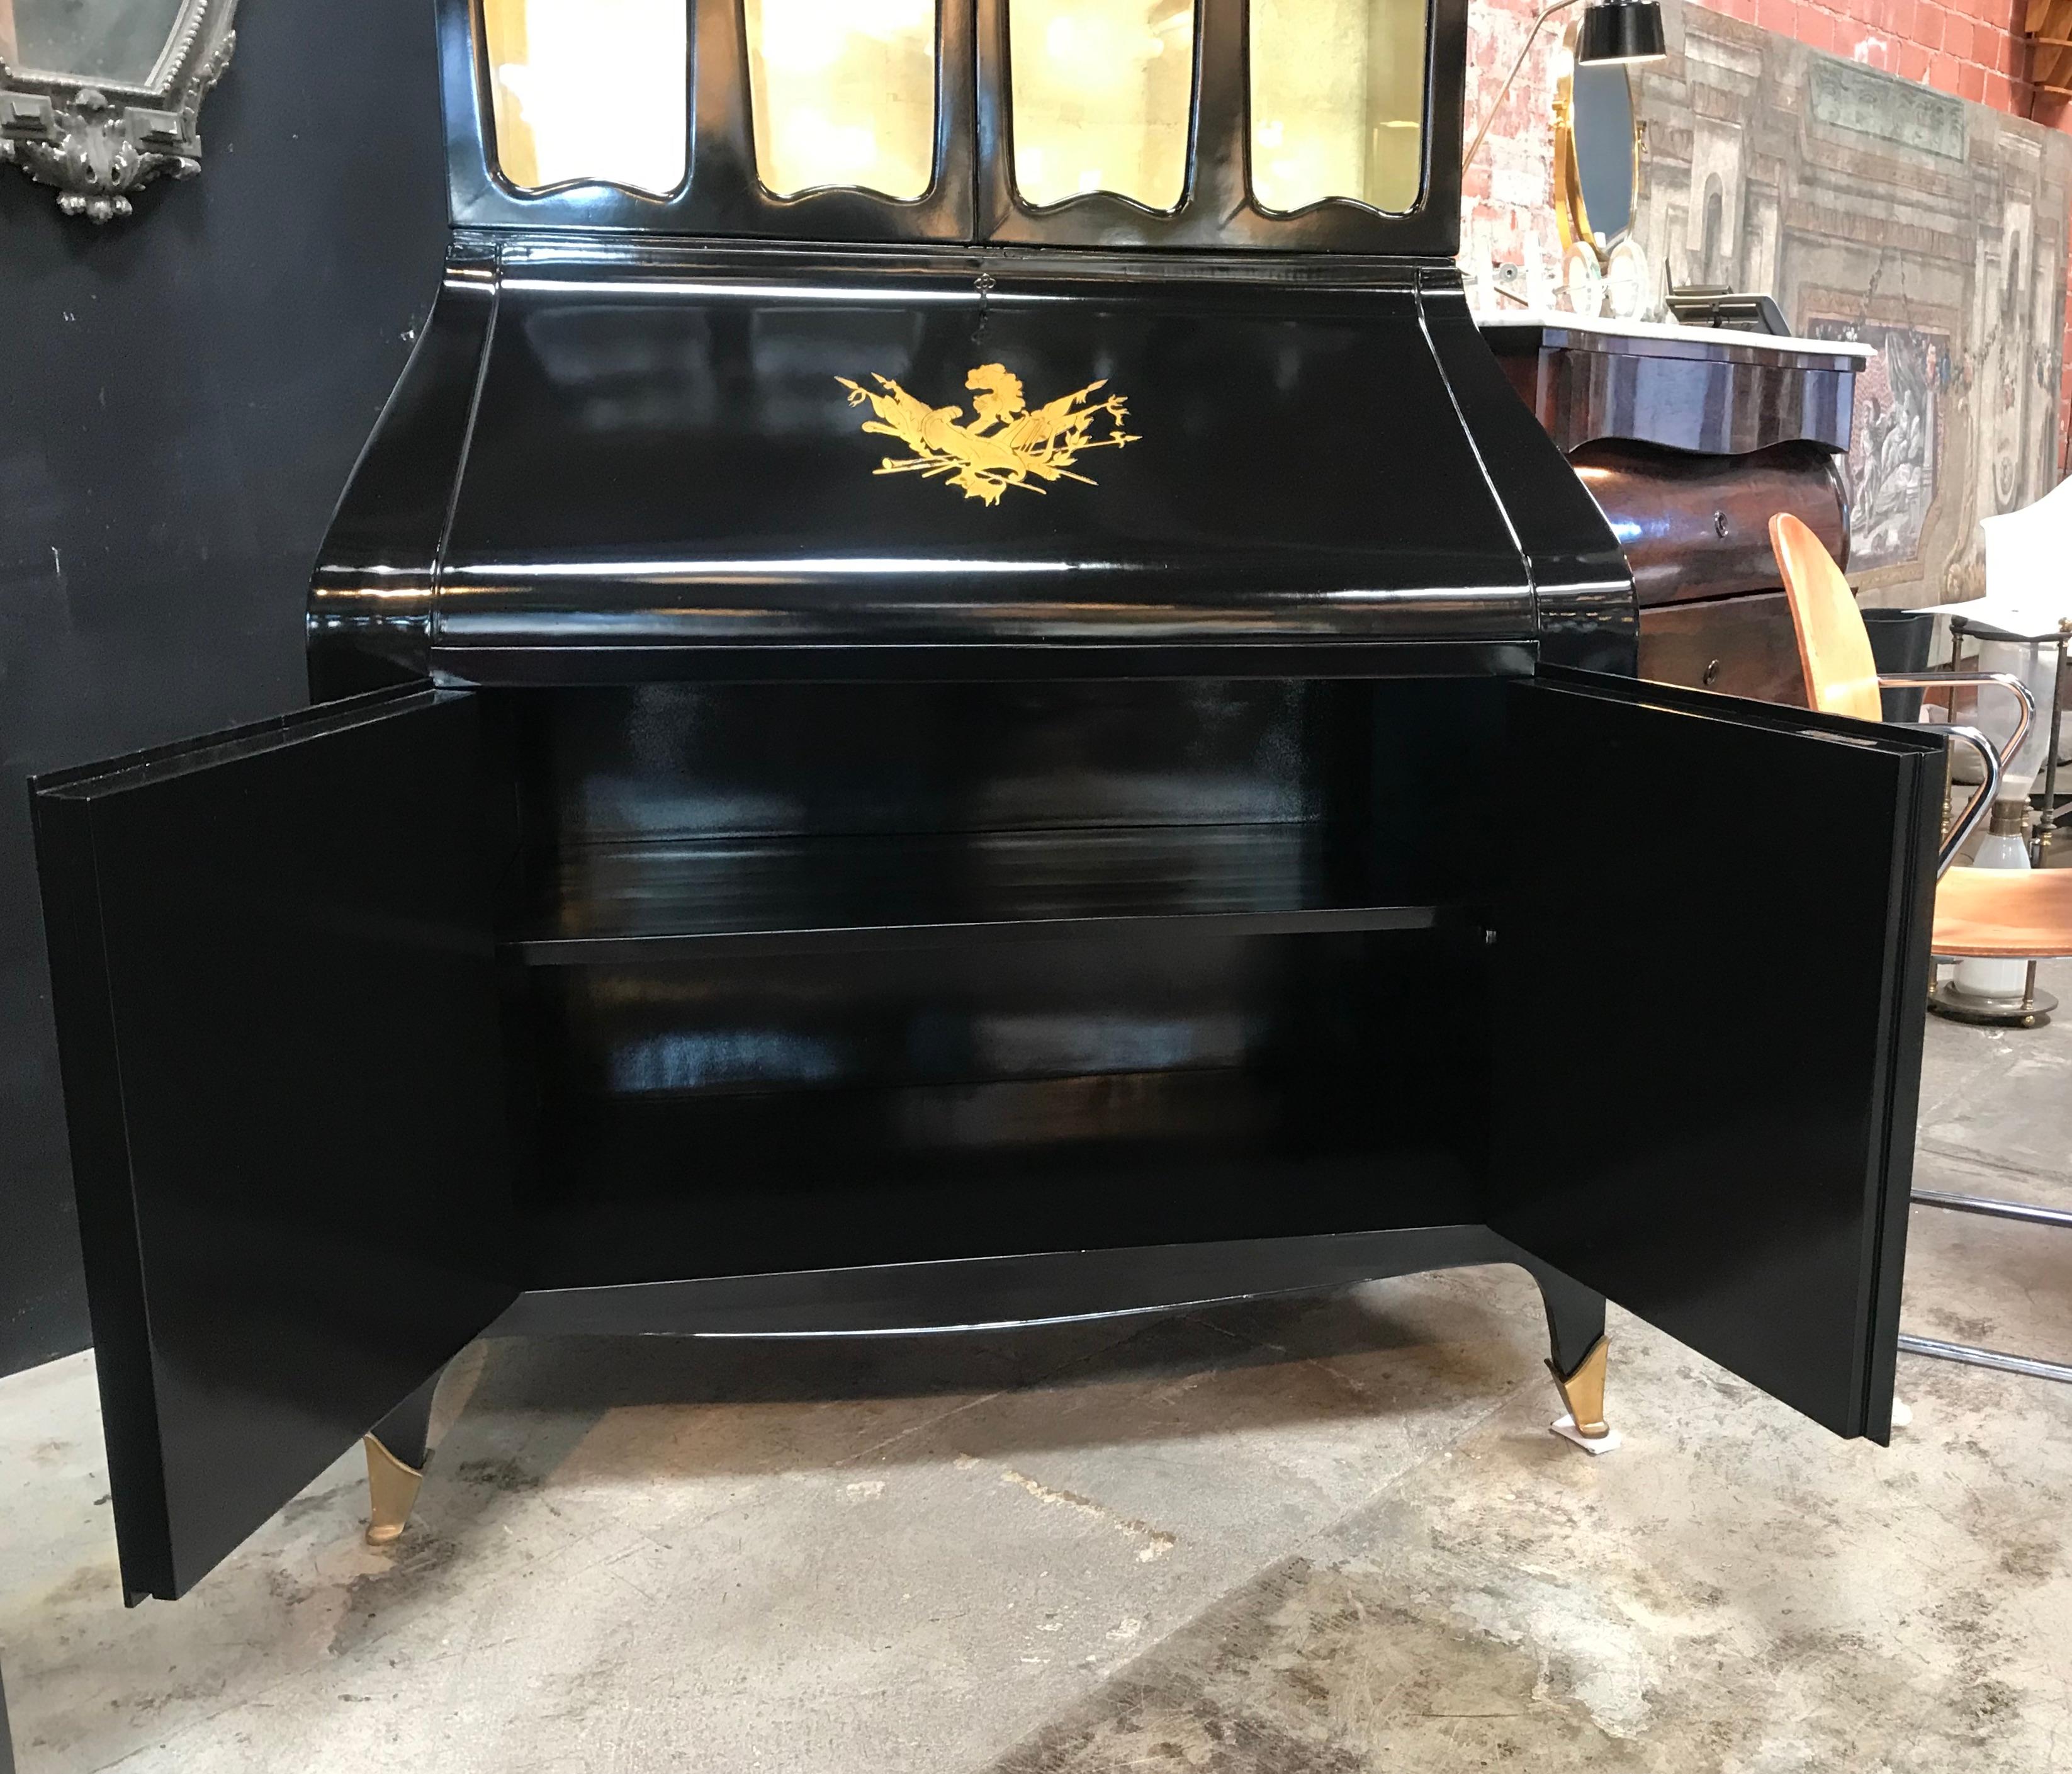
[(781, 1112), (1697, 526), (689, 468), (118, 41), (658, 456), (1101, 94), (843, 93), (1337, 101), (590, 89), (746, 895)]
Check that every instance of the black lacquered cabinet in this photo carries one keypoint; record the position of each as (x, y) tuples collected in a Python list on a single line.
[(1325, 975), (737, 878)]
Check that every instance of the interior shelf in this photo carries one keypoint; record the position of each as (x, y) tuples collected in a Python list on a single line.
[(659, 1189), (614, 902)]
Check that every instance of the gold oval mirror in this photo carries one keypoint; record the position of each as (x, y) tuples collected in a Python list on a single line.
[(1597, 156)]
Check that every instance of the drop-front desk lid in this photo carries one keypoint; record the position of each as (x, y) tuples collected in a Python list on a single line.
[(683, 447)]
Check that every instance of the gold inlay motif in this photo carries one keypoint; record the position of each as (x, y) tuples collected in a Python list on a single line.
[(1003, 444)]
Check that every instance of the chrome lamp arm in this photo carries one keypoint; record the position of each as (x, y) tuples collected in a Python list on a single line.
[(1503, 91)]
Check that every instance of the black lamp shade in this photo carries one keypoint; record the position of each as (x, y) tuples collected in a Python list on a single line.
[(1622, 30)]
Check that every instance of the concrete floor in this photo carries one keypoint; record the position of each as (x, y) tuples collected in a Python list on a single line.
[(1327, 1535)]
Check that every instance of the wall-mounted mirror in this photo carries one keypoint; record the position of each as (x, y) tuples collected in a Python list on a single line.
[(1597, 171), (98, 97)]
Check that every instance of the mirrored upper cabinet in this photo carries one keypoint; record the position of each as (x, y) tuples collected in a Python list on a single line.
[(1102, 92), (1297, 125), (595, 90), (1338, 102), (843, 93)]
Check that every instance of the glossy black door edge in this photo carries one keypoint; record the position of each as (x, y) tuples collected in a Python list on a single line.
[(90, 1073), (975, 1292), (720, 193), (977, 662), (1744, 711), (1216, 207), (374, 592), (1917, 836), (183, 753)]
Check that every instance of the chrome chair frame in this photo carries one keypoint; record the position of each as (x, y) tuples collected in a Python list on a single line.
[(1994, 768), (1994, 763)]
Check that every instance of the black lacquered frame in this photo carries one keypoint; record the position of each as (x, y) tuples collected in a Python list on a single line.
[(720, 193), (973, 197), (1217, 208)]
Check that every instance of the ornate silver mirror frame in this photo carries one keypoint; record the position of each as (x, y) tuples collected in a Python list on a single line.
[(98, 139)]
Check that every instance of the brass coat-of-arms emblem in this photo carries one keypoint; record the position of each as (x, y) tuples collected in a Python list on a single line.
[(1003, 444)]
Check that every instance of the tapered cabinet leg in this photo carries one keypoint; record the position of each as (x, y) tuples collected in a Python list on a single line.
[(1583, 1394), (1577, 1351), (397, 1448)]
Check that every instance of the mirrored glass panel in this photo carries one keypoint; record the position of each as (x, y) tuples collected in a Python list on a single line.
[(590, 89), (1602, 126), (1102, 90), (1338, 102), (843, 93), (118, 41)]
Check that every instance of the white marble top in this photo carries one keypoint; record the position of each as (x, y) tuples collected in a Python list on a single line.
[(1675, 330)]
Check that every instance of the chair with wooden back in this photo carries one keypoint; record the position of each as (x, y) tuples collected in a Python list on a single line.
[(2007, 914)]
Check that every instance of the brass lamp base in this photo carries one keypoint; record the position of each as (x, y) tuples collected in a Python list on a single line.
[(2029, 1010)]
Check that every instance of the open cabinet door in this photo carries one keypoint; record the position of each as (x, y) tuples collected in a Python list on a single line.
[(1710, 972), (272, 968)]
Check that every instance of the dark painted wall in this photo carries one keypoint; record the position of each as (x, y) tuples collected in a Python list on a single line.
[(182, 396)]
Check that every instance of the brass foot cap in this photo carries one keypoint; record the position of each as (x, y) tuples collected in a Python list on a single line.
[(392, 1492), (1583, 1392)]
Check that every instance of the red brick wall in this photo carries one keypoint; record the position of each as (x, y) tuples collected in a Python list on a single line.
[(1974, 48)]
